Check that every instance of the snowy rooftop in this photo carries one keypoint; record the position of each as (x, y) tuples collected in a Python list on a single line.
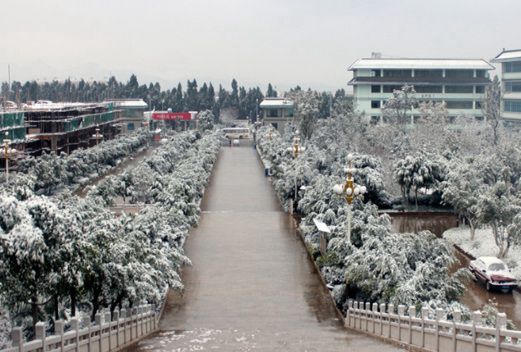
[(129, 103), (508, 55), (407, 63), (276, 103), (49, 105)]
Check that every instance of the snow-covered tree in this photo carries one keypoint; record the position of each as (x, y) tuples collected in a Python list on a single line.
[(396, 108), (462, 189), (491, 107), (497, 207), (206, 119)]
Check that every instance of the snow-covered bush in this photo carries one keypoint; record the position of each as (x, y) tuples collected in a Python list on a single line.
[(206, 119), (377, 265), (55, 171), (63, 254)]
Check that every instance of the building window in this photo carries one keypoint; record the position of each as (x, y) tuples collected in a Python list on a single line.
[(428, 89), (398, 73), (481, 73), (512, 105), (375, 73), (375, 104), (513, 87), (478, 105), (459, 73), (512, 66), (376, 89), (480, 89), (428, 73), (459, 89), (460, 104), (273, 113), (390, 89)]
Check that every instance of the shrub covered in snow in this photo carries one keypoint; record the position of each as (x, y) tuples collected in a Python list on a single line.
[(377, 265), (53, 171), (65, 253)]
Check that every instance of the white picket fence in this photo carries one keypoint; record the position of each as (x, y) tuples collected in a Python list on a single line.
[(432, 334), (103, 336)]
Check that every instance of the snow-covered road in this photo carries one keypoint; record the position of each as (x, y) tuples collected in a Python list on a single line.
[(251, 286)]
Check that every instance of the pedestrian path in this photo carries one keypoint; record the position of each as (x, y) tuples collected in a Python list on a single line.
[(251, 286)]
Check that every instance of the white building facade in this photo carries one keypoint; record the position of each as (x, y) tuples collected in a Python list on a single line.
[(510, 84), (460, 83), (278, 112)]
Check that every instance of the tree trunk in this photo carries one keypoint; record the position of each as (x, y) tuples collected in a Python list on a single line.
[(72, 295), (34, 311), (95, 304), (472, 229), (56, 308), (116, 303)]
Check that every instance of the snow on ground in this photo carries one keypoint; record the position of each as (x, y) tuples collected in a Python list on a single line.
[(484, 245)]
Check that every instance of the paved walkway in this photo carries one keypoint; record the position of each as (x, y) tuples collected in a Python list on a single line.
[(251, 286)]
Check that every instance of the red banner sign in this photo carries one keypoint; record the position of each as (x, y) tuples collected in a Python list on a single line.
[(169, 116)]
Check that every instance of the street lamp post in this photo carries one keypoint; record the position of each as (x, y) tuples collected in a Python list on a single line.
[(7, 141), (97, 135), (349, 190)]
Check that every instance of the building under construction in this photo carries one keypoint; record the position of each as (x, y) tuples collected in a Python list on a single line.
[(64, 127)]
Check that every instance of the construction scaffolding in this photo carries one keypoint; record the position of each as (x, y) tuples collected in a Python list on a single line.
[(62, 127)]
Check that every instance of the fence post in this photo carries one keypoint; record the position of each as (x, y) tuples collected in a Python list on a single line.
[(382, 312), (367, 312), (456, 319), (89, 348), (476, 320), (124, 318), (425, 316), (142, 309), (115, 317), (375, 313), (390, 311), (348, 313), (75, 325), (98, 320), (109, 322), (412, 314), (59, 326), (401, 313), (439, 316), (501, 323), (18, 338), (39, 333)]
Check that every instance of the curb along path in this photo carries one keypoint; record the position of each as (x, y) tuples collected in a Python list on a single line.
[(251, 286)]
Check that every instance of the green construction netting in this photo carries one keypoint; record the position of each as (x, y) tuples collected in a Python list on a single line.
[(10, 119)]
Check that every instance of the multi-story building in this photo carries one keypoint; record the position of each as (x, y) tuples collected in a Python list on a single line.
[(510, 84), (277, 112), (460, 83), (64, 127), (132, 113)]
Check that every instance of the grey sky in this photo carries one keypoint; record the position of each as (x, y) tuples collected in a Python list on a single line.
[(291, 42)]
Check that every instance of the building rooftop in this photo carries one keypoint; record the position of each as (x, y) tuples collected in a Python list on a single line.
[(428, 64), (43, 105), (128, 103), (276, 103), (508, 55)]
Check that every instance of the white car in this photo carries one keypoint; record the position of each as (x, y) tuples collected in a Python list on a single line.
[(494, 273)]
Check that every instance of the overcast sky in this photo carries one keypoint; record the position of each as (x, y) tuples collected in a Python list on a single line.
[(285, 42)]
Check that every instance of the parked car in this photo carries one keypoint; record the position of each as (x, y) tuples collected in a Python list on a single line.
[(494, 273)]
